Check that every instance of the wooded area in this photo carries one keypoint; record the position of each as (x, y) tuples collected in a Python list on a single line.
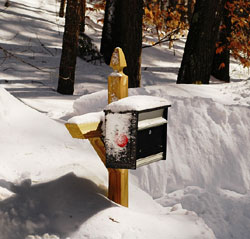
[(52, 183), (215, 31)]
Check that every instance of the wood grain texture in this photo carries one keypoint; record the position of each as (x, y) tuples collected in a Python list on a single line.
[(84, 131), (118, 89)]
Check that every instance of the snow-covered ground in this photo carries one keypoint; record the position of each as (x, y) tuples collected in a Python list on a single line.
[(53, 186)]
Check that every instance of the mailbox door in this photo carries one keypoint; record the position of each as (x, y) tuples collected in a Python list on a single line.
[(151, 143), (120, 144)]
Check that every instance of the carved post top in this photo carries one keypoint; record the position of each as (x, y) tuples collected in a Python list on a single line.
[(118, 61)]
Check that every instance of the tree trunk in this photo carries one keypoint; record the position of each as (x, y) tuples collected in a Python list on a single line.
[(69, 48), (199, 50), (173, 3), (7, 3), (123, 28), (190, 8), (82, 16), (62, 7), (219, 72), (132, 40), (108, 43)]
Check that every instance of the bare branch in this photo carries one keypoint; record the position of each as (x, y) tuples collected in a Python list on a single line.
[(44, 46), (165, 39), (8, 53), (12, 38)]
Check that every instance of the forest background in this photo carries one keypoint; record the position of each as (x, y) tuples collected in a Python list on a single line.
[(215, 30)]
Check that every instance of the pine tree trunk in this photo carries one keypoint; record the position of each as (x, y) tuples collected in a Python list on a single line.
[(108, 30), (7, 3), (173, 3), (199, 50), (82, 16), (123, 28), (69, 49), (131, 41), (190, 10), (222, 73), (62, 7)]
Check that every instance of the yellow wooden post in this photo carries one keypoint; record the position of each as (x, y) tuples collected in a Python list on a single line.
[(118, 89), (117, 80)]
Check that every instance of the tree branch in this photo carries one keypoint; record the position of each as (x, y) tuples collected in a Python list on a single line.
[(8, 53), (165, 39)]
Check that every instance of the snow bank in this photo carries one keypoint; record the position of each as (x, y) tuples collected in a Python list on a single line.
[(91, 103), (87, 118), (226, 212), (137, 103), (34, 145), (239, 92), (207, 144), (97, 101), (207, 147), (56, 187), (118, 223), (207, 154)]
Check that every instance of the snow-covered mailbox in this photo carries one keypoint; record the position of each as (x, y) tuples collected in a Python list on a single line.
[(135, 131)]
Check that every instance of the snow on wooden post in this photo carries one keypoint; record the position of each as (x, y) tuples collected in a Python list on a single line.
[(118, 89)]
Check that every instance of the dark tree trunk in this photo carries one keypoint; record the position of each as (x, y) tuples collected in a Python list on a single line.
[(82, 16), (173, 3), (7, 3), (132, 39), (123, 28), (62, 7), (110, 29), (219, 72), (69, 49), (190, 8), (199, 50)]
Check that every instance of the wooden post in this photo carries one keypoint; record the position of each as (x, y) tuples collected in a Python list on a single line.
[(117, 80), (118, 89)]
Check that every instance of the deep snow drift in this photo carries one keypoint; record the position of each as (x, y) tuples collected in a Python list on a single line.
[(53, 186), (37, 156), (207, 167)]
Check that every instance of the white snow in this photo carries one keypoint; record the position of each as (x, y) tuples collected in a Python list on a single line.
[(116, 74), (115, 57), (116, 131), (87, 118), (148, 123), (53, 186), (137, 103)]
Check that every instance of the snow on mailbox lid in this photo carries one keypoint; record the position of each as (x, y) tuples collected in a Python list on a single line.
[(121, 125), (137, 103)]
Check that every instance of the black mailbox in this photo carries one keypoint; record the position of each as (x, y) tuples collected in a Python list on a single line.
[(135, 131)]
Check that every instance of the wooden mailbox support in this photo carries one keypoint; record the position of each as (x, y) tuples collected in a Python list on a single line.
[(117, 89)]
